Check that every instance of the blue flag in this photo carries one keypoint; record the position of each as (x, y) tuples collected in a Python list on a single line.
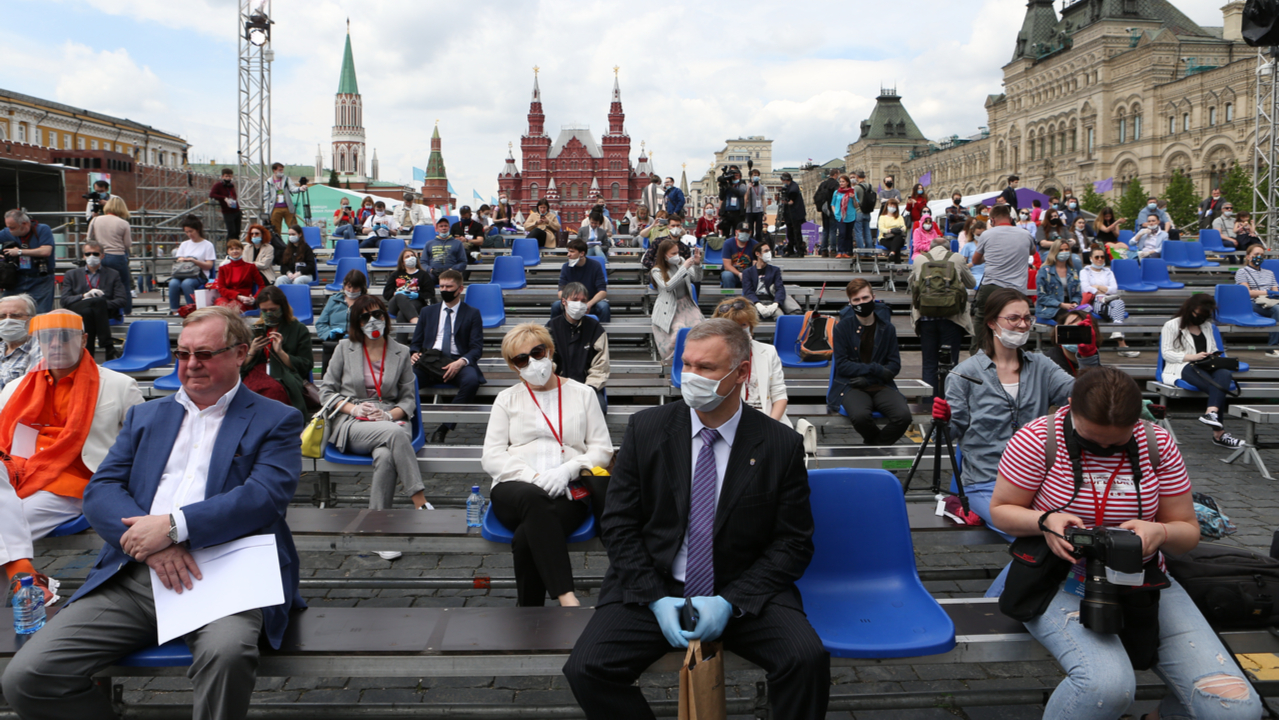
[(1104, 186), (479, 198), (419, 175), (450, 186)]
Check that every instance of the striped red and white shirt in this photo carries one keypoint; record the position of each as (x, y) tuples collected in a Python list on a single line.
[(1023, 465)]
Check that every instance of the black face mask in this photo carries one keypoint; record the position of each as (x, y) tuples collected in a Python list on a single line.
[(866, 309), (1199, 319), (888, 184), (226, 182), (448, 295), (1256, 261), (1094, 448)]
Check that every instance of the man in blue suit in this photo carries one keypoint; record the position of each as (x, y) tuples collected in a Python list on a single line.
[(450, 335), (211, 464)]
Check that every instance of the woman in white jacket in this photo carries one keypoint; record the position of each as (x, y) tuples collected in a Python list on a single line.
[(675, 308), (1097, 280), (766, 387), (1189, 337), (542, 433)]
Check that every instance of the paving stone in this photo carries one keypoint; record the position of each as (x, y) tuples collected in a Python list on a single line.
[(894, 673), (391, 695), (949, 672), (330, 696), (545, 697), (468, 695)]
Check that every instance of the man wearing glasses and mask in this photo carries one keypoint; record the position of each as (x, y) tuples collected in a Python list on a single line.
[(213, 463)]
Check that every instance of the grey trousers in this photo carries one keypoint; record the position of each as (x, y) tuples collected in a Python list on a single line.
[(393, 459), (49, 678)]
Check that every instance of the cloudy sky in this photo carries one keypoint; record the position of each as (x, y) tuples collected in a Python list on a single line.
[(802, 73)]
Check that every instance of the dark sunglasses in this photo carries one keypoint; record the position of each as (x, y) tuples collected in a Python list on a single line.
[(537, 353), (93, 254), (203, 356), (372, 315), (735, 306)]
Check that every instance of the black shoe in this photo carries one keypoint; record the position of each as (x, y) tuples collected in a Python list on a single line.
[(1211, 419), (437, 437)]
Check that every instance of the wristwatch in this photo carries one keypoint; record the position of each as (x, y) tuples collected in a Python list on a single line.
[(173, 530)]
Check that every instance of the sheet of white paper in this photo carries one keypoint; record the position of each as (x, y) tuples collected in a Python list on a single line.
[(240, 575), (202, 298), (24, 440)]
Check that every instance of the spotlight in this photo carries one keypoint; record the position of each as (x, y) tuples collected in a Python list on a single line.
[(257, 29)]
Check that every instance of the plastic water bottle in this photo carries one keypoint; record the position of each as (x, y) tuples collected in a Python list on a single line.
[(28, 607), (475, 507)]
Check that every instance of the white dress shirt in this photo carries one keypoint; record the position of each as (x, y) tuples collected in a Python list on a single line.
[(722, 449), (452, 348), (187, 470)]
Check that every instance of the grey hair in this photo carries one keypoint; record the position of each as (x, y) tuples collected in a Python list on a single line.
[(574, 289), (737, 341), (25, 299), (91, 244), (940, 241), (17, 215)]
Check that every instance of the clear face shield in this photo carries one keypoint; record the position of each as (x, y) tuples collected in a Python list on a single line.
[(60, 348)]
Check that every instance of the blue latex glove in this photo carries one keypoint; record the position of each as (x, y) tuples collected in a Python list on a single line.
[(713, 614), (412, 295), (667, 611)]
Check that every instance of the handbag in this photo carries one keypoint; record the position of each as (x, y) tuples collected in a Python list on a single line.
[(432, 363), (1218, 362), (187, 269), (313, 434)]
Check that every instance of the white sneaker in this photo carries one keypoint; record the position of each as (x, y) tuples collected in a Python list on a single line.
[(1129, 353), (389, 554), (1116, 335), (1274, 354)]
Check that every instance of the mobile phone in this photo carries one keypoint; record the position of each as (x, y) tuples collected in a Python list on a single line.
[(1072, 335), (688, 616)]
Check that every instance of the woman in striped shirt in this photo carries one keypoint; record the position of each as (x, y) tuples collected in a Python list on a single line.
[(1035, 494)]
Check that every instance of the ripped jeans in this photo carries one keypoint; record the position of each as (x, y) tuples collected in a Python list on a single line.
[(1100, 681)]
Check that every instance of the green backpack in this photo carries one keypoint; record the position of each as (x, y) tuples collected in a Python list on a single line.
[(939, 291)]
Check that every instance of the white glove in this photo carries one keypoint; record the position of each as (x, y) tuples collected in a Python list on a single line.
[(370, 411), (772, 308), (93, 293)]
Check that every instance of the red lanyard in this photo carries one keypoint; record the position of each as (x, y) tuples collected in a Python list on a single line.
[(1100, 511), (377, 376), (560, 409)]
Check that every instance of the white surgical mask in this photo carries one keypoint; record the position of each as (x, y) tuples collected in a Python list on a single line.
[(537, 372), (411, 262), (12, 330), (700, 393), (380, 213), (92, 261), (766, 256), (674, 261), (351, 294), (1064, 256), (576, 309), (1013, 340), (373, 328)]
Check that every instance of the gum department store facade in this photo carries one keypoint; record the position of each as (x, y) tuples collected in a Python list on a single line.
[(1111, 88)]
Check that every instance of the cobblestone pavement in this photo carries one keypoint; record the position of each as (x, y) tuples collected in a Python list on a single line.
[(1249, 499)]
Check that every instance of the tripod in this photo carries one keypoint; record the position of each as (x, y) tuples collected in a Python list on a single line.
[(940, 432)]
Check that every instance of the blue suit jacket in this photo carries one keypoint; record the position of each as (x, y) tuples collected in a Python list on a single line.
[(468, 332), (254, 471)]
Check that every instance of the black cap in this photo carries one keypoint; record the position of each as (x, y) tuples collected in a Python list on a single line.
[(744, 226), (465, 208)]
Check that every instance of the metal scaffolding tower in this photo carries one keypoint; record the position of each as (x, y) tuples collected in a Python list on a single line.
[(1266, 149), (254, 150)]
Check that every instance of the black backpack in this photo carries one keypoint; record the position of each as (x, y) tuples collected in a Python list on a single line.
[(867, 198), (1233, 587)]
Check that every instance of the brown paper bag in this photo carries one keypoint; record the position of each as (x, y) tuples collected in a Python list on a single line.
[(702, 682)]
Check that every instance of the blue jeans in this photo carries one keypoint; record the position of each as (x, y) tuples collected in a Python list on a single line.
[(844, 241), (1193, 375), (979, 495), (182, 288), (830, 228), (120, 263), (729, 280), (1100, 681), (600, 310), (597, 250), (39, 287), (862, 231)]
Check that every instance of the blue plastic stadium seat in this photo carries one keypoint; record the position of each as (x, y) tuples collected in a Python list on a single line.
[(299, 297), (508, 272), (786, 339), (333, 455), (174, 653), (1129, 276), (1236, 308), (422, 234), (453, 219), (1156, 272), (346, 265), (388, 253), (677, 358), (602, 262), (1273, 265), (487, 298), (1195, 254), (876, 607), (313, 237), (493, 530), (344, 249), (70, 527), (1125, 236), (146, 346), (527, 248), (713, 257), (1212, 241), (169, 382)]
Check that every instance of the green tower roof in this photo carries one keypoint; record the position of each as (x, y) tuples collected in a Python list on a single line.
[(347, 80)]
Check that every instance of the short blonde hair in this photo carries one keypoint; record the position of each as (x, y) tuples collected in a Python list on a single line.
[(115, 206), (738, 310), (523, 333), (237, 332)]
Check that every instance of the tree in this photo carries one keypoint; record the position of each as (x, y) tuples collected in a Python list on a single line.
[(1132, 200), (1183, 199), (333, 179), (1237, 188), (1091, 201)]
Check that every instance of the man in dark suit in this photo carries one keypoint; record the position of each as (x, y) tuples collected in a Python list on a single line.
[(1010, 193), (451, 333), (97, 294), (708, 505), (214, 463)]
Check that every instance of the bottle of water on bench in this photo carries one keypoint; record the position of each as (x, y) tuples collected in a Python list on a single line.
[(475, 507), (28, 607)]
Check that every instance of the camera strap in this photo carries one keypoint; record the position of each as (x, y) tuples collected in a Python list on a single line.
[(1077, 469)]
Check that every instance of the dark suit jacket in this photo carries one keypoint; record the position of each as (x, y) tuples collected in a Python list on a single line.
[(253, 474), (1010, 196), (763, 533), (76, 283), (468, 332)]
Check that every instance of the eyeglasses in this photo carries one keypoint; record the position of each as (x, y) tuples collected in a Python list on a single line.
[(203, 356), (537, 353), (372, 315), (93, 254), (1018, 319), (735, 306)]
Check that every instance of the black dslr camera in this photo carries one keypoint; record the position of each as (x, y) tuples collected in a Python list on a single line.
[(1112, 557), (98, 199)]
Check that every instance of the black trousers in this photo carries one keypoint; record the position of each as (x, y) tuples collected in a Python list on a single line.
[(894, 242), (933, 334), (232, 219), (326, 354), (795, 238), (621, 641), (859, 404), (756, 220), (539, 524), (403, 307), (96, 315)]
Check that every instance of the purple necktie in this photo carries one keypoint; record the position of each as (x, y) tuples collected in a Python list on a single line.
[(700, 571)]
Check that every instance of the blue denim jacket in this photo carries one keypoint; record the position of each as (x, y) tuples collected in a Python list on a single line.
[(984, 417), (1052, 291)]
